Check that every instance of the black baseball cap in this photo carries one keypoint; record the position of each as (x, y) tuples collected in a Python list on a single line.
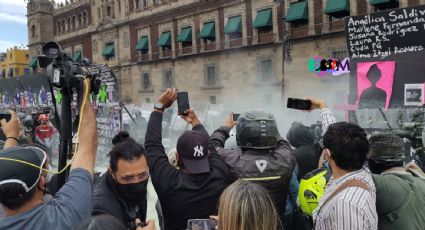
[(192, 147), (12, 171)]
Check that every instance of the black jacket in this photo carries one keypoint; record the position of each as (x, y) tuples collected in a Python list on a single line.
[(107, 201), (183, 196), (270, 168), (307, 152)]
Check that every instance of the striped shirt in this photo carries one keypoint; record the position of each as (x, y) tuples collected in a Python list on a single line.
[(352, 208), (327, 119)]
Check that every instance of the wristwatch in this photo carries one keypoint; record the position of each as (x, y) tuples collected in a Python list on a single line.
[(159, 106)]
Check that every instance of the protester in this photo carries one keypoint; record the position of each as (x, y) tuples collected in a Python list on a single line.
[(22, 186), (263, 156), (108, 222), (9, 134), (121, 191), (307, 150), (349, 199), (246, 206), (192, 191), (44, 133), (400, 196)]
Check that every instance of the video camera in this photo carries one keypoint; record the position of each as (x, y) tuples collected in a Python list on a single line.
[(63, 72)]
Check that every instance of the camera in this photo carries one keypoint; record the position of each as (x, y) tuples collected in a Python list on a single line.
[(63, 72)]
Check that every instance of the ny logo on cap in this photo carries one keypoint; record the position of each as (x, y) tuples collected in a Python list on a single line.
[(198, 151)]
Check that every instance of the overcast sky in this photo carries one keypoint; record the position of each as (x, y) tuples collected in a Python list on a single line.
[(13, 23)]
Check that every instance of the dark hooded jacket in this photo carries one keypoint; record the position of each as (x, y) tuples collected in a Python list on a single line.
[(307, 152), (271, 168)]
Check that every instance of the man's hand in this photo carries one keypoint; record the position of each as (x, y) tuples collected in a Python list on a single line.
[(168, 97), (191, 118), (316, 103), (11, 128), (229, 123), (150, 225)]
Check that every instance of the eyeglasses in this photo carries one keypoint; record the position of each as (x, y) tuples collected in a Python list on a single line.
[(133, 178)]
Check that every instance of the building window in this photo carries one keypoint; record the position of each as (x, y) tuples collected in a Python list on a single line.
[(167, 79), (119, 5), (16, 71), (80, 20), (98, 13), (145, 4), (234, 27), (109, 51), (211, 78), (85, 18), (27, 56), (63, 26), (265, 70), (33, 31), (147, 100), (213, 100), (58, 28), (137, 4), (68, 24), (145, 81), (108, 11), (339, 53), (73, 22), (11, 56)]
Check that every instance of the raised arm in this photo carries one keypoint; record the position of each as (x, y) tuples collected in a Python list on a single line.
[(86, 153), (163, 174), (11, 130), (218, 137), (325, 114)]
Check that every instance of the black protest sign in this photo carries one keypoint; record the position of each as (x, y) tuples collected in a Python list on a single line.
[(387, 51), (380, 35), (108, 113)]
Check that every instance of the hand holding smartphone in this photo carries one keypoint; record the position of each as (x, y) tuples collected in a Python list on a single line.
[(300, 104)]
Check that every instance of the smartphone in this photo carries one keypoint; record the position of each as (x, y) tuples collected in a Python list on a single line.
[(182, 103), (236, 116), (6, 116), (295, 103), (201, 224)]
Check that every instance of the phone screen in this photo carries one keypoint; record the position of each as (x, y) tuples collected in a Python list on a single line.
[(236, 116), (201, 224), (5, 116), (295, 103), (182, 102)]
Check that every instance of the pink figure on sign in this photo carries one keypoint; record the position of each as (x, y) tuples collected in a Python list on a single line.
[(374, 84)]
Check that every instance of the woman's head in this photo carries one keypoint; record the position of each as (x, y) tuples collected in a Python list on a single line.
[(246, 206)]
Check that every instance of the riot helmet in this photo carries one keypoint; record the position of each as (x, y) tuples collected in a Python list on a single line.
[(257, 129)]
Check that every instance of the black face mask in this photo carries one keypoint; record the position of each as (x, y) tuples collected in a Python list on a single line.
[(132, 194)]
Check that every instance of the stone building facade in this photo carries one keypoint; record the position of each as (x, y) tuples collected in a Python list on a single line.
[(220, 51)]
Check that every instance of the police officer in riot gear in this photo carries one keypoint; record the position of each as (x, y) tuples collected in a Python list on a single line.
[(262, 156)]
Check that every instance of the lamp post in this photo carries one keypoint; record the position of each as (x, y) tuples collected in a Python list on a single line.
[(286, 55)]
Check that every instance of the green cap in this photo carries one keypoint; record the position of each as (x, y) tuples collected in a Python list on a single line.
[(386, 147)]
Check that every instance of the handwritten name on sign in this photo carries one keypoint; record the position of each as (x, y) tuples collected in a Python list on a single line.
[(380, 35)]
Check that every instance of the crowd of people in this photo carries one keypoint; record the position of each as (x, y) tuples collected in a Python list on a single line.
[(341, 180)]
